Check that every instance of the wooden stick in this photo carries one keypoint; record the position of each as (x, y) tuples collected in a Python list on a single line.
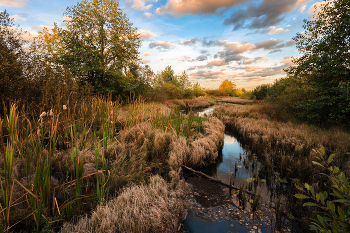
[(215, 180)]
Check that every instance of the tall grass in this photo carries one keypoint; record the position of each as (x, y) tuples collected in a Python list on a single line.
[(69, 158)]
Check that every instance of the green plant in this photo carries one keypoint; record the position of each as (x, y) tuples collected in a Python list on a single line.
[(333, 211), (8, 153)]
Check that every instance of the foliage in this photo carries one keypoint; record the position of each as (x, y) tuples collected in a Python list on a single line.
[(333, 212), (198, 90), (227, 86), (260, 92), (11, 62), (324, 65), (100, 45), (167, 85)]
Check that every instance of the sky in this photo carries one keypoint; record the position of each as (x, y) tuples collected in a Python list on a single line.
[(246, 41)]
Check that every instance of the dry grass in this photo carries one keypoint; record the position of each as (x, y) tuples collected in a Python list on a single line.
[(157, 207), (290, 144), (200, 102), (135, 142), (233, 100), (205, 148)]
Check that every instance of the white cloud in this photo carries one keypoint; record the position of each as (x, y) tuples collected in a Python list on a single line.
[(196, 7), (220, 62), (16, 17), (302, 9), (161, 45), (146, 53), (274, 30), (140, 5), (147, 15), (145, 60), (146, 34), (14, 3)]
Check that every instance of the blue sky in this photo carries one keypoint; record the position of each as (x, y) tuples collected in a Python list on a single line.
[(246, 41)]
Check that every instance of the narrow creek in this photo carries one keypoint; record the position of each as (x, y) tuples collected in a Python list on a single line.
[(214, 208)]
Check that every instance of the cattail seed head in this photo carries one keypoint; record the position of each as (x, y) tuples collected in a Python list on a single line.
[(42, 115)]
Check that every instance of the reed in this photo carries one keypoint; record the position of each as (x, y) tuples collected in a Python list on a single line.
[(68, 158)]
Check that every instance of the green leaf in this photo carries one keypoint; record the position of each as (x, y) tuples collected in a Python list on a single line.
[(309, 204), (330, 158), (317, 163), (320, 219), (336, 170), (301, 196), (342, 201), (341, 214), (322, 152)]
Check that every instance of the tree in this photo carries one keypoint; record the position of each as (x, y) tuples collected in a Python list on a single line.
[(12, 53), (100, 44), (227, 86), (260, 92), (324, 65)]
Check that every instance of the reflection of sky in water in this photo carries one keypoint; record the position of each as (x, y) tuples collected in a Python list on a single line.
[(207, 111), (195, 224), (230, 154)]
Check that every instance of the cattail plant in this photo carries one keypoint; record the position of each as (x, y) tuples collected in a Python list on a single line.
[(8, 153)]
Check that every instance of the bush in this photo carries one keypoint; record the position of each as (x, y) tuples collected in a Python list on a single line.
[(260, 92), (216, 92), (333, 214)]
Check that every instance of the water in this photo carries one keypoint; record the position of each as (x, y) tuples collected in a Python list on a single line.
[(204, 215)]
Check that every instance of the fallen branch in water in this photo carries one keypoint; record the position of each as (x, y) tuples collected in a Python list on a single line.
[(215, 180)]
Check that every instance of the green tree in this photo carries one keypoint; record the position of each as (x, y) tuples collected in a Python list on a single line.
[(11, 51), (101, 45), (324, 65), (260, 92)]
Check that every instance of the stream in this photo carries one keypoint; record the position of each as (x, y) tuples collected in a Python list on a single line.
[(214, 208)]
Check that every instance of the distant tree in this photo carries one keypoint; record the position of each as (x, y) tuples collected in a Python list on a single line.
[(13, 60), (228, 87), (324, 65), (101, 45)]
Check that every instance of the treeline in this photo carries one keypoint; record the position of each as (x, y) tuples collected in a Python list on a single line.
[(96, 53), (317, 88), (229, 88)]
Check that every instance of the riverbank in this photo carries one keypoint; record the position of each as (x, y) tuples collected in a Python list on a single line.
[(286, 151)]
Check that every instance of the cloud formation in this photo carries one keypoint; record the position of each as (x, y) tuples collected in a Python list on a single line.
[(191, 42), (14, 3), (144, 34), (161, 45), (146, 53), (270, 30), (16, 17), (255, 60), (196, 7), (147, 15), (140, 5), (273, 44), (202, 57), (220, 62), (268, 13), (207, 74)]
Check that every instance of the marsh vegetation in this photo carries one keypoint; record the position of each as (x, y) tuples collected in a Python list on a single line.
[(92, 140)]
